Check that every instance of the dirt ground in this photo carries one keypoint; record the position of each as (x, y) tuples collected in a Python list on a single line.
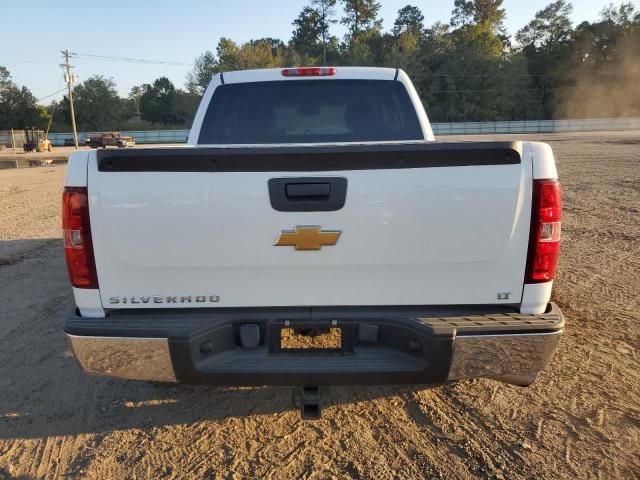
[(581, 419), (10, 158)]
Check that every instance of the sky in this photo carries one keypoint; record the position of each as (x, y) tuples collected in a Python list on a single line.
[(178, 32)]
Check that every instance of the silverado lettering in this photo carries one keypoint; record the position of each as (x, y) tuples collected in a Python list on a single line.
[(165, 299)]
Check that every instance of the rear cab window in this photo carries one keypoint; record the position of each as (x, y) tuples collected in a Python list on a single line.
[(310, 111)]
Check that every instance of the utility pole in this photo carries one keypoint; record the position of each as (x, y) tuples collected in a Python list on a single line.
[(324, 32), (70, 79)]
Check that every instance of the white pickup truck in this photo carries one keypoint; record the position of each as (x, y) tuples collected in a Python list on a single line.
[(313, 232)]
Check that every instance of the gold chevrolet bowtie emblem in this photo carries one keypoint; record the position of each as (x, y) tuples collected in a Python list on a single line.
[(307, 238)]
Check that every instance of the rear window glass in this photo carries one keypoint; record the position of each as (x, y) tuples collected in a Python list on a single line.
[(307, 111)]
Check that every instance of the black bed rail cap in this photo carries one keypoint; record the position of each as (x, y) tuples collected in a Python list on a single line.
[(307, 158)]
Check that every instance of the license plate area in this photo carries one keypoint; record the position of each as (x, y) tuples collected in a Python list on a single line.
[(304, 337)]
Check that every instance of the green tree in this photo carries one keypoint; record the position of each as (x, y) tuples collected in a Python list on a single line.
[(157, 103), (228, 54), (400, 48), (624, 16), (275, 44), (410, 19), (468, 70), (18, 106), (326, 14), (5, 77), (549, 27), (307, 35), (360, 16), (477, 12), (19, 109), (226, 58), (97, 105), (204, 67), (462, 14), (466, 74), (404, 50), (186, 105), (546, 45), (258, 54), (489, 12), (476, 54), (135, 94)]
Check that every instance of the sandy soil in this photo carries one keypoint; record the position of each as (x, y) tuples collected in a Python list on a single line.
[(581, 419), (9, 159)]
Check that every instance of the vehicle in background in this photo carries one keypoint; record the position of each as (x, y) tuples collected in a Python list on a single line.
[(111, 139), (36, 140), (82, 141)]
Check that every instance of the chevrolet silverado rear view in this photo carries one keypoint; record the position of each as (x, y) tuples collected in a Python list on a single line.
[(313, 232)]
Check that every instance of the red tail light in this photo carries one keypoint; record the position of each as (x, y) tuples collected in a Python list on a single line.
[(309, 72), (544, 241), (78, 248)]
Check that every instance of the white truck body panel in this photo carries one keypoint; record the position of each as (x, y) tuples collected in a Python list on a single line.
[(77, 169), (453, 235), (432, 236)]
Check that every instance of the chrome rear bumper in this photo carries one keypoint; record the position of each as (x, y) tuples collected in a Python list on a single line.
[(515, 359), (130, 358), (514, 356)]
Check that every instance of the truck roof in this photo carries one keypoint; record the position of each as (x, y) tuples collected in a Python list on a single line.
[(274, 74)]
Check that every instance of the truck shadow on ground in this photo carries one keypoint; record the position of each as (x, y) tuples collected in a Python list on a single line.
[(5, 475), (44, 393), (97, 405)]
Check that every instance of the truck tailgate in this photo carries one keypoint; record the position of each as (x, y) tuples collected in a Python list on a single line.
[(421, 224)]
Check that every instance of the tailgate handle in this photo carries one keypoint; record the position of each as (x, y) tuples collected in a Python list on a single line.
[(307, 194), (295, 190)]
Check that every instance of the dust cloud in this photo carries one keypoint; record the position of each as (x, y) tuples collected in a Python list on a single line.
[(613, 90)]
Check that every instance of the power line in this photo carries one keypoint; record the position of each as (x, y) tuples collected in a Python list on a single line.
[(601, 74), (51, 95), (46, 88), (31, 61), (129, 60), (536, 89)]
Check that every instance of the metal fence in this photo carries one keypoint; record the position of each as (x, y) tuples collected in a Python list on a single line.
[(12, 138), (141, 136), (537, 126), (459, 128)]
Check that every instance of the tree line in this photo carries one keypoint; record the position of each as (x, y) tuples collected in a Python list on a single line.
[(98, 106), (469, 69)]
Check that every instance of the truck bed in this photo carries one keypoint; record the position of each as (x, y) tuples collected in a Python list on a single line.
[(418, 223)]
